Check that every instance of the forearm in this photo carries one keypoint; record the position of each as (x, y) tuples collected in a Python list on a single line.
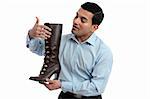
[(96, 86), (35, 45), (87, 87)]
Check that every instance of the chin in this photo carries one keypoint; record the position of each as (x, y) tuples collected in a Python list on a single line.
[(73, 32)]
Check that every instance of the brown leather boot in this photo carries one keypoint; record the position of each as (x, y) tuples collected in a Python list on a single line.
[(51, 63)]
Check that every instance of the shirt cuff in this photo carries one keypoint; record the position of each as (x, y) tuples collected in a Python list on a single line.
[(66, 86), (28, 39)]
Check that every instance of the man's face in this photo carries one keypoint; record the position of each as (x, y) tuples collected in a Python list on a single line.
[(82, 24)]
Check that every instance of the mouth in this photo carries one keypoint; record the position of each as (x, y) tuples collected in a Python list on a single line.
[(75, 27)]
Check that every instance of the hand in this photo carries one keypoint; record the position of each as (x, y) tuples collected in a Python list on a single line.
[(40, 31), (52, 84)]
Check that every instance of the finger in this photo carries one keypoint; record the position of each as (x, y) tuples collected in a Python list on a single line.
[(48, 80), (43, 27), (46, 83), (47, 32), (46, 35), (39, 35), (46, 27), (48, 86), (42, 36), (37, 21)]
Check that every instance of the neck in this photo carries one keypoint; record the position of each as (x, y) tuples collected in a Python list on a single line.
[(83, 38)]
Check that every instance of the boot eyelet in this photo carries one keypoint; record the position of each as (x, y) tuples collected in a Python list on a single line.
[(46, 47), (44, 69), (47, 42), (42, 73), (47, 61), (47, 52), (48, 57), (45, 65)]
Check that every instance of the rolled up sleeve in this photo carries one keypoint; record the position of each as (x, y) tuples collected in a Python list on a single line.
[(36, 45)]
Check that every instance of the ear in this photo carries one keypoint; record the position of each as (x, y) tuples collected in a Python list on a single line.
[(94, 27)]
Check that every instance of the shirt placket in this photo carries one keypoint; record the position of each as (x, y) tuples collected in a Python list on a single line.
[(74, 62)]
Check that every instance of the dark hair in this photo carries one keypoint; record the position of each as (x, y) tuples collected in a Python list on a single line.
[(96, 10)]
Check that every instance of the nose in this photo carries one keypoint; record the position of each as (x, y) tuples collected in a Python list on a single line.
[(76, 20)]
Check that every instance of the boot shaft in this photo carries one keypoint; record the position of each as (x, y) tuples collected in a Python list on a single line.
[(52, 44), (55, 38)]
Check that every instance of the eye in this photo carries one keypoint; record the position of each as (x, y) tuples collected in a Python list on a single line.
[(83, 20)]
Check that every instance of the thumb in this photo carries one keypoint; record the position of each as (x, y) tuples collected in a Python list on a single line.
[(37, 21)]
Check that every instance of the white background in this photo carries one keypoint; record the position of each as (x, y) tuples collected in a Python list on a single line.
[(125, 30)]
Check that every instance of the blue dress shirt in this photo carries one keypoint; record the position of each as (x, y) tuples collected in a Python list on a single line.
[(85, 67)]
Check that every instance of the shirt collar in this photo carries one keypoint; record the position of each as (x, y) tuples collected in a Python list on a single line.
[(90, 40)]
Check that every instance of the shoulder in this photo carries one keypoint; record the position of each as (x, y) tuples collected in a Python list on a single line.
[(104, 53), (66, 36), (64, 39), (102, 47)]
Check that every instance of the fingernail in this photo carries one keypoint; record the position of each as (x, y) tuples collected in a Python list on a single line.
[(46, 82), (47, 79)]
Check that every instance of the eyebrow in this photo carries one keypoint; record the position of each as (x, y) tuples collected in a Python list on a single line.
[(82, 16)]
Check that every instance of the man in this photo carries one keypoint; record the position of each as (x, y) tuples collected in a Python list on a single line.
[(84, 58)]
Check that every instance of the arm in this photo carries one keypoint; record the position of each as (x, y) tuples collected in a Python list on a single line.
[(100, 75)]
